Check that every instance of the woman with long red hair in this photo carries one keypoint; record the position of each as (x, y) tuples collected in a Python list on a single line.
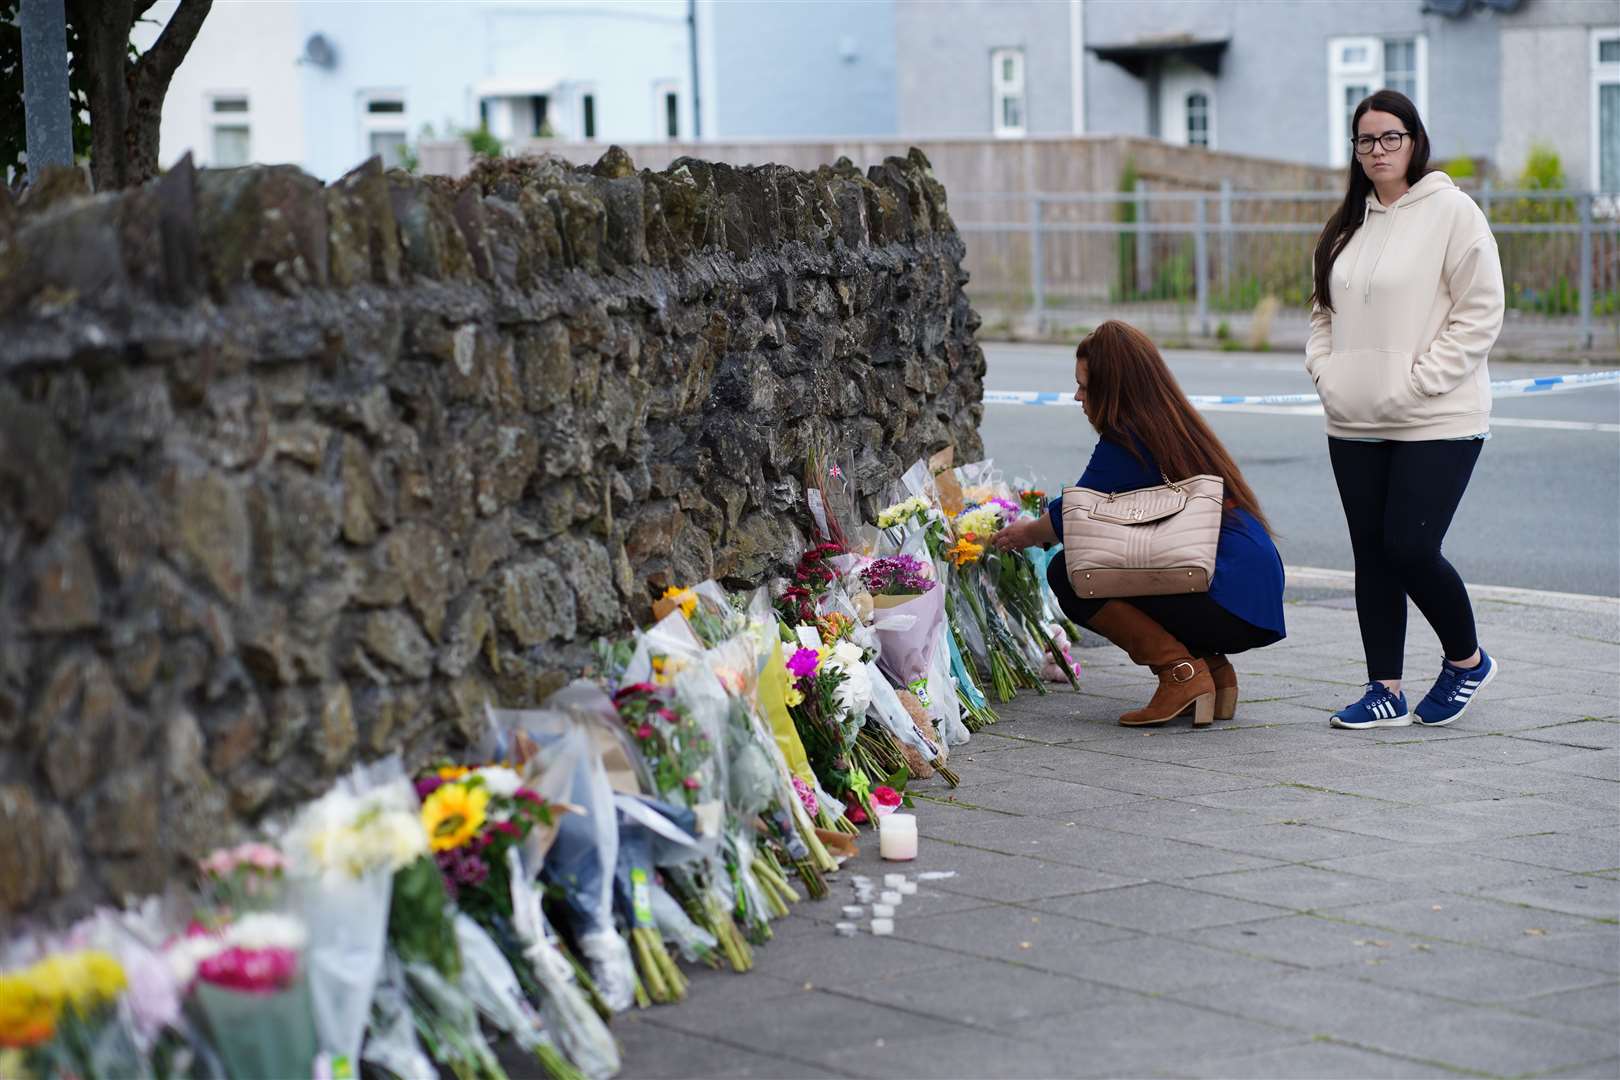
[(1147, 429)]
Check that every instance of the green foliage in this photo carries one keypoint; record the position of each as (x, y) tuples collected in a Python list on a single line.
[(482, 143), (1223, 331), (1459, 168), (1125, 286), (13, 129), (1543, 170)]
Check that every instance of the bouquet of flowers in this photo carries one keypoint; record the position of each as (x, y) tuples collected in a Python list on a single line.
[(247, 877), (247, 981), (1009, 666), (679, 763), (58, 1015), (343, 852)]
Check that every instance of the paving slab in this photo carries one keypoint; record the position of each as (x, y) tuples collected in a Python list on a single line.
[(1267, 898)]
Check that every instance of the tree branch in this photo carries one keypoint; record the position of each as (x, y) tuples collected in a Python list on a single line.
[(155, 68)]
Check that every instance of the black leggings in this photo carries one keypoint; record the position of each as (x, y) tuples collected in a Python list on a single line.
[(1399, 498), (1194, 619)]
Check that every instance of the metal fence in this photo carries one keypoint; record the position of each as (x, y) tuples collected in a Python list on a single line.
[(1207, 259)]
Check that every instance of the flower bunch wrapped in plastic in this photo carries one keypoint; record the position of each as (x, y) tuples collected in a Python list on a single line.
[(343, 851), (898, 575), (246, 877), (472, 816), (248, 984), (57, 1014), (908, 511)]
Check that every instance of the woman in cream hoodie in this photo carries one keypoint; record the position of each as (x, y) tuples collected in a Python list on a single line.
[(1407, 304)]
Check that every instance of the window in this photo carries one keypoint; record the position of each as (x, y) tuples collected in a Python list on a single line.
[(1197, 119), (1606, 111), (539, 122), (1007, 92), (587, 115), (666, 109), (230, 131), (1400, 66), (1358, 66), (383, 126)]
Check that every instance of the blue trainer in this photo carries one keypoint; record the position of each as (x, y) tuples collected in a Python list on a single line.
[(1377, 708), (1454, 691)]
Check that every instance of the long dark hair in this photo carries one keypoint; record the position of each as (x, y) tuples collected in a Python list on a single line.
[(1348, 217), (1132, 398)]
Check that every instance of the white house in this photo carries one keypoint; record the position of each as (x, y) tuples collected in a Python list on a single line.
[(324, 84)]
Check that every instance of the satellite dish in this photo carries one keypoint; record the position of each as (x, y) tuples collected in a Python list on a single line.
[(319, 52)]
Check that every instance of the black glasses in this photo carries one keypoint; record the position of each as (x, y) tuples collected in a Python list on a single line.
[(1389, 140)]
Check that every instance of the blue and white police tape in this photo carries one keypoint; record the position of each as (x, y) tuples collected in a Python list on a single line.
[(1544, 385)]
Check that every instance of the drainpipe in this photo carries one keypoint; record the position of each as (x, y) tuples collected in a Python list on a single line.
[(692, 43), (1077, 64)]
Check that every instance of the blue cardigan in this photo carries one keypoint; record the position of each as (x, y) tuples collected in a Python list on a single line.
[(1248, 578)]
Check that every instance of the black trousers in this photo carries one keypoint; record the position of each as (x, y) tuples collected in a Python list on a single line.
[(1399, 499), (1193, 619)]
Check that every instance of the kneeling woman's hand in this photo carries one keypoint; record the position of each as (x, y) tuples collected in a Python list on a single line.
[(1030, 532)]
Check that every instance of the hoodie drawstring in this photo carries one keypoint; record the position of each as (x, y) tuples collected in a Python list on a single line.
[(1350, 275), (1366, 294)]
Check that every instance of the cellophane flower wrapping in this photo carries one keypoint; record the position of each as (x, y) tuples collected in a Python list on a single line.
[(343, 851), (564, 1008), (391, 1043), (488, 980), (249, 986), (582, 858)]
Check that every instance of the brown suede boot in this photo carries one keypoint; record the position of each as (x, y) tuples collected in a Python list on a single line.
[(1183, 681), (1226, 688)]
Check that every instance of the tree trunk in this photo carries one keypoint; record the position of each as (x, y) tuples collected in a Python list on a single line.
[(126, 99), (104, 30)]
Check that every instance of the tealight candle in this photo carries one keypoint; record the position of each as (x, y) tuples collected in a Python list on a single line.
[(882, 927), (897, 838), (890, 896), (883, 911), (853, 911), (893, 881), (908, 888), (846, 929)]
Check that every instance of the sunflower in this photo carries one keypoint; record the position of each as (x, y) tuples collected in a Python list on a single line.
[(453, 814)]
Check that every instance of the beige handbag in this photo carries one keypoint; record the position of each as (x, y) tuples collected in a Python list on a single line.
[(1149, 542)]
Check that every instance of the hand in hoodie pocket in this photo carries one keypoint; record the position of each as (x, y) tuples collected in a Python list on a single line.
[(1367, 387)]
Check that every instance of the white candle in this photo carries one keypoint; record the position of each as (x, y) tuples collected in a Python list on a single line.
[(890, 896), (882, 927), (893, 881), (853, 911), (897, 838), (908, 888), (846, 929), (883, 911)]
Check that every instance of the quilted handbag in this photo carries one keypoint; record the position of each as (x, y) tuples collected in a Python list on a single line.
[(1150, 542)]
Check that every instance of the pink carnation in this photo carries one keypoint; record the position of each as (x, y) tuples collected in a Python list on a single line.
[(885, 800), (690, 783), (806, 796), (645, 731), (251, 971)]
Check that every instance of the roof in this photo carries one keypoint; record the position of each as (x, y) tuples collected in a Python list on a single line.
[(1138, 56)]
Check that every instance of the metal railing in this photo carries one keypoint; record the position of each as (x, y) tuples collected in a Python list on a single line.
[(1216, 253)]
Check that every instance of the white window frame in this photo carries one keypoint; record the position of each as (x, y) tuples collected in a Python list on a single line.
[(1001, 90), (1603, 74), (660, 88), (391, 123), (217, 120), (1369, 72)]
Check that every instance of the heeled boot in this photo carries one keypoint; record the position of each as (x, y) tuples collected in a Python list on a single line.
[(1226, 686), (1183, 681)]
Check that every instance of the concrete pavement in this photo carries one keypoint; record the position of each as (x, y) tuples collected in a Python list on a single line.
[(1268, 898)]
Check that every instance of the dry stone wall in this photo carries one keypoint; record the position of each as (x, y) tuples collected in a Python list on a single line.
[(294, 474)]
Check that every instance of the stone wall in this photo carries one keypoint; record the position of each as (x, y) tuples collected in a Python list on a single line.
[(292, 475)]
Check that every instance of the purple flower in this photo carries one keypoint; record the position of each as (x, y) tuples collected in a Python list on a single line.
[(803, 663)]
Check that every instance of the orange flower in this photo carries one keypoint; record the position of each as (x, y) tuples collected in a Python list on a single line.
[(965, 550)]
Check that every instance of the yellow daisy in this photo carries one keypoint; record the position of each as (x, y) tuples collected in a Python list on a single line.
[(453, 814)]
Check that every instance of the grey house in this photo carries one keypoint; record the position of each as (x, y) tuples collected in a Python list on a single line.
[(1272, 78)]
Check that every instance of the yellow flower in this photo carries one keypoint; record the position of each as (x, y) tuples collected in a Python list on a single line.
[(27, 1017), (965, 550), (452, 772), (685, 598), (795, 696), (453, 815)]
